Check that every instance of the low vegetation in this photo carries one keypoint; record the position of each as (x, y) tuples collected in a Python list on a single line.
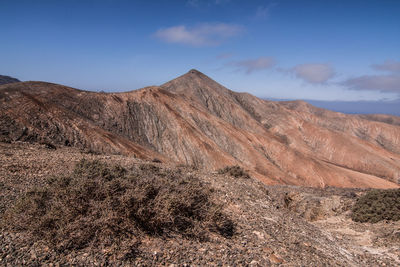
[(377, 205), (234, 171), (102, 205)]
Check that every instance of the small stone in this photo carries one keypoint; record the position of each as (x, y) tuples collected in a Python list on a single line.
[(254, 263), (258, 234), (275, 259), (268, 250)]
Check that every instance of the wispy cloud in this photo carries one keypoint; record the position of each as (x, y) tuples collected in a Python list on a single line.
[(384, 83), (252, 65), (193, 3), (316, 73), (388, 65), (205, 34), (263, 12)]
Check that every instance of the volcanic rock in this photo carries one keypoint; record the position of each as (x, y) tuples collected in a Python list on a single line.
[(193, 120)]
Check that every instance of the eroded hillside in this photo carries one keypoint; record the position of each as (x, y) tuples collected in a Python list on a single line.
[(196, 121)]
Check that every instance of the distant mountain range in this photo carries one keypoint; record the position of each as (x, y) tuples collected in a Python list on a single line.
[(194, 120), (360, 107)]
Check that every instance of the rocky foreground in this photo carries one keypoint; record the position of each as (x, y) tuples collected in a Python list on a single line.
[(274, 225)]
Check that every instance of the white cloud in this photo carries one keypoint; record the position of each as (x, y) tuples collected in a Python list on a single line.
[(314, 72), (202, 35), (257, 64), (388, 65), (389, 83)]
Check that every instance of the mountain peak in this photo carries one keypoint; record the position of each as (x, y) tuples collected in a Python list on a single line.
[(194, 71), (196, 83)]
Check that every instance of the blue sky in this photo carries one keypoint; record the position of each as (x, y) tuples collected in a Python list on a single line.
[(320, 50)]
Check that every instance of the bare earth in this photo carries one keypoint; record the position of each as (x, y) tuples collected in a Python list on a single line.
[(194, 120), (277, 225)]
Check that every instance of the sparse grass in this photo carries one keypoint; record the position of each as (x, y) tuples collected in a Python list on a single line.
[(102, 205), (234, 171), (377, 205)]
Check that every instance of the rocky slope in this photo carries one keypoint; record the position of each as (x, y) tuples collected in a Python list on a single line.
[(275, 225), (394, 120), (194, 120)]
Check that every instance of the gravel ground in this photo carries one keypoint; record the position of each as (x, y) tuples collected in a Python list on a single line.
[(271, 230)]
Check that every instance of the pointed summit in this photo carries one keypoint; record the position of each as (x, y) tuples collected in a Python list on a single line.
[(194, 71), (203, 90), (194, 82), (195, 74)]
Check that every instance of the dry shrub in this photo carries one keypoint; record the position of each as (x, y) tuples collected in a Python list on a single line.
[(377, 205), (102, 205), (234, 171), (156, 160)]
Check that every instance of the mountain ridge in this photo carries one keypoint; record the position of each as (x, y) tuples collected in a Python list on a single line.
[(194, 120), (8, 79)]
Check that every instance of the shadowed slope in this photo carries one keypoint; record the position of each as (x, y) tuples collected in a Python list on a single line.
[(49, 113), (7, 79)]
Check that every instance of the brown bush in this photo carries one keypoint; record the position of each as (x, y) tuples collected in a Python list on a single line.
[(234, 171), (103, 205), (377, 205)]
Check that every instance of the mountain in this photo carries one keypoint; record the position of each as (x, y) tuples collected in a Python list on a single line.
[(382, 118), (359, 107), (196, 121), (7, 79)]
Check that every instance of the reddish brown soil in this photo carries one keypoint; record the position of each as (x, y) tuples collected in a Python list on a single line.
[(194, 120)]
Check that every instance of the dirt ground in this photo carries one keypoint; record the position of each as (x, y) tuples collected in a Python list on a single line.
[(276, 225)]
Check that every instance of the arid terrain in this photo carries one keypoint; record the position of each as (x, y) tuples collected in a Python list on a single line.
[(194, 120), (312, 229), (145, 178)]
